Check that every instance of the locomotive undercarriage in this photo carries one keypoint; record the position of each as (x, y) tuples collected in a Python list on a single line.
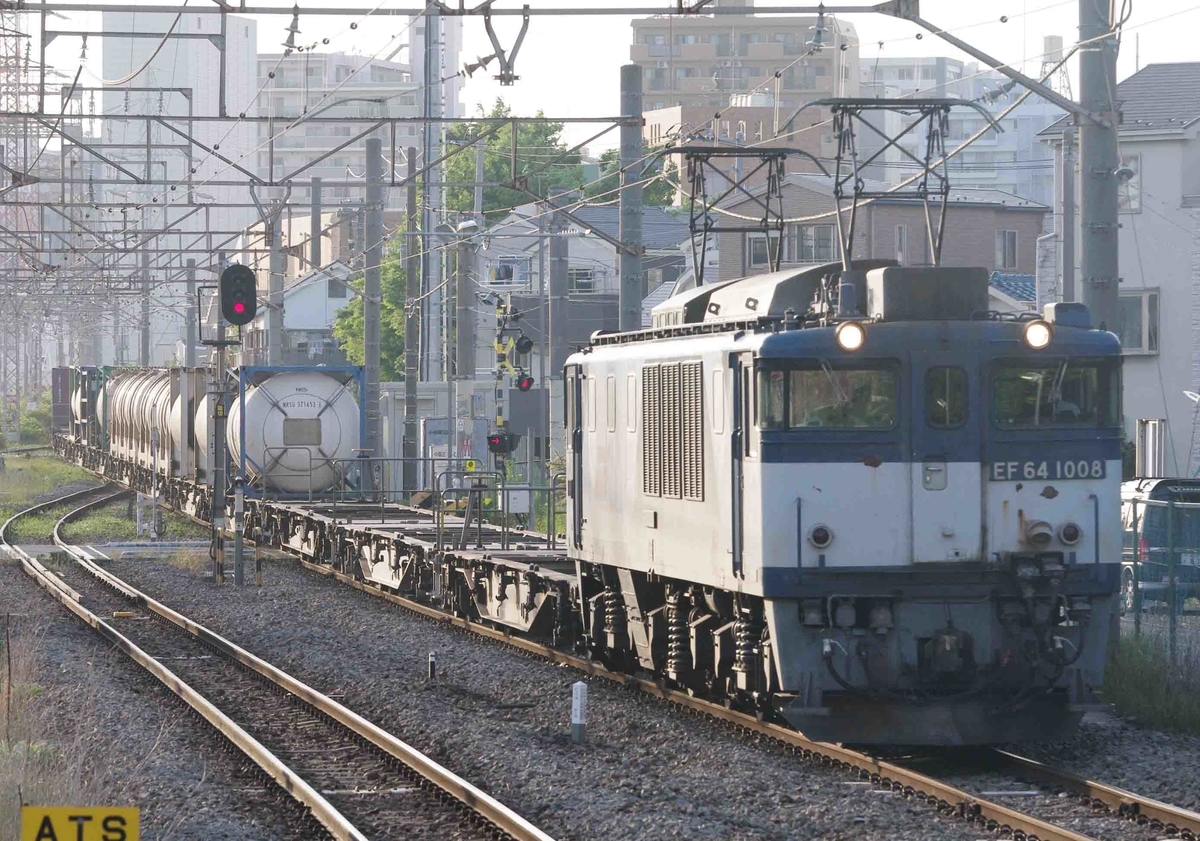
[(1007, 663)]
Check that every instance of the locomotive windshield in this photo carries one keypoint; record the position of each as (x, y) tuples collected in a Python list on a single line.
[(821, 396), (1068, 392)]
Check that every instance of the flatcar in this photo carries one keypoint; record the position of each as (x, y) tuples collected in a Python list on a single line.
[(854, 499)]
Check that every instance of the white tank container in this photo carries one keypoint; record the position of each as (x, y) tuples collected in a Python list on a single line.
[(293, 421)]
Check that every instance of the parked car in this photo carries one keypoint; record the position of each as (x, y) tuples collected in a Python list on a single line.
[(1151, 553)]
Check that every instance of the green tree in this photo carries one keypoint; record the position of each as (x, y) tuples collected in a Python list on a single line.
[(538, 148), (656, 194), (348, 328)]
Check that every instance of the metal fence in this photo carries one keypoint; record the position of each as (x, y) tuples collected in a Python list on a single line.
[(1161, 572)]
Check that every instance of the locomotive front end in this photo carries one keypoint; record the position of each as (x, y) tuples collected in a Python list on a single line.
[(955, 489)]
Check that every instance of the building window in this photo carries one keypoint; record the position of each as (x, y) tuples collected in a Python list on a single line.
[(902, 244), (581, 280), (1006, 249), (815, 244), (904, 73), (1137, 321), (927, 73), (758, 254), (1129, 193)]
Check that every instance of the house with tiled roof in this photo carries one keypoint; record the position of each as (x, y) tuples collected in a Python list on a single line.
[(1159, 250)]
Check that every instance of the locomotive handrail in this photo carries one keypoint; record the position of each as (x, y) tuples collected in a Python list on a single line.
[(552, 509)]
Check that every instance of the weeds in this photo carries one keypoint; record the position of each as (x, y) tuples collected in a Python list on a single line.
[(1142, 681), (193, 561), (26, 479), (33, 767)]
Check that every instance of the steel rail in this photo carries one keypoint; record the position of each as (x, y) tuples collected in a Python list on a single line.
[(329, 817), (475, 799), (896, 777), (1172, 819)]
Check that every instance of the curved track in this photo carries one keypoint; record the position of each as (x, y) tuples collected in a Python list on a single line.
[(1090, 797), (356, 780)]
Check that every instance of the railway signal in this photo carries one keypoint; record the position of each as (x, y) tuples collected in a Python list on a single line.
[(502, 443), (524, 382), (239, 295)]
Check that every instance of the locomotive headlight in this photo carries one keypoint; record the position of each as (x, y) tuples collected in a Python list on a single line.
[(1038, 334), (850, 335)]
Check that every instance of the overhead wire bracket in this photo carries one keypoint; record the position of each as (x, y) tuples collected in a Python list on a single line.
[(506, 59)]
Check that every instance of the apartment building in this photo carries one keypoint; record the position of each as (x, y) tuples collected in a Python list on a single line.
[(354, 87), (1012, 161), (702, 60)]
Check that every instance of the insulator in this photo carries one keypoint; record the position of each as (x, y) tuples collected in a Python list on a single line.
[(746, 635)]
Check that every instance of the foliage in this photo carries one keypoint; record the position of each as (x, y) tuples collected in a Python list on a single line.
[(348, 328), (26, 479), (1141, 680), (538, 147), (658, 193), (1128, 460)]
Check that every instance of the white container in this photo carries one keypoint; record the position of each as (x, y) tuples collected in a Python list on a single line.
[(301, 428)]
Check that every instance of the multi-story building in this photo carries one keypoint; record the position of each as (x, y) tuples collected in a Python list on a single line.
[(1158, 316), (180, 80), (702, 60), (1013, 161), (357, 88)]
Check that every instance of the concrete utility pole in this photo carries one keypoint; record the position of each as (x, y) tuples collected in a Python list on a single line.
[(560, 312), (275, 289), (314, 225), (1068, 215), (412, 325), (464, 335), (144, 325), (629, 262), (373, 253), (192, 308), (1099, 160), (431, 179)]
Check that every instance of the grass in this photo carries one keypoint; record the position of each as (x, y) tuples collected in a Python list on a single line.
[(112, 523), (25, 480), (34, 767), (191, 560), (1141, 680)]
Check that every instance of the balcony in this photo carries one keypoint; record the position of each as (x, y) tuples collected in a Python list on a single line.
[(652, 52), (764, 51), (697, 52)]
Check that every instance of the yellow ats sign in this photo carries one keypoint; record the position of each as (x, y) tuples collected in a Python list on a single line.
[(79, 823)]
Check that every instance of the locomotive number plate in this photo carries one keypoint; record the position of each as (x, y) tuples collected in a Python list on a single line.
[(1016, 471)]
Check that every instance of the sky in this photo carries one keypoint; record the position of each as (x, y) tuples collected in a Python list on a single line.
[(569, 65)]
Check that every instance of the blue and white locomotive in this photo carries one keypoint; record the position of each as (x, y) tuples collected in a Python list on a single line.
[(854, 499)]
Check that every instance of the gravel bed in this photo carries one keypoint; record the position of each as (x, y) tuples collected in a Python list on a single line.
[(501, 720), (1113, 750), (132, 741)]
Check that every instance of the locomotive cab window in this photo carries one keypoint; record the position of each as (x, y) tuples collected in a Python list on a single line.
[(824, 397), (1068, 392), (946, 397)]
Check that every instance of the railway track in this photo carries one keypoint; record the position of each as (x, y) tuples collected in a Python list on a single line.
[(1088, 798), (356, 780)]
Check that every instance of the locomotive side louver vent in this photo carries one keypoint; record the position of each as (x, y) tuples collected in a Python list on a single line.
[(672, 484), (693, 431), (673, 430), (651, 431)]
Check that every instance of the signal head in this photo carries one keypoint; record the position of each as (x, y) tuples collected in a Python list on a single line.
[(524, 382), (239, 295)]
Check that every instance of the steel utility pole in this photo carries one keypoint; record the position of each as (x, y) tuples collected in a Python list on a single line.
[(373, 259), (412, 325), (1068, 215), (1099, 160), (629, 261)]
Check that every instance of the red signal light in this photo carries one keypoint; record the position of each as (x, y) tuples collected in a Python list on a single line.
[(494, 440), (525, 383), (239, 307)]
